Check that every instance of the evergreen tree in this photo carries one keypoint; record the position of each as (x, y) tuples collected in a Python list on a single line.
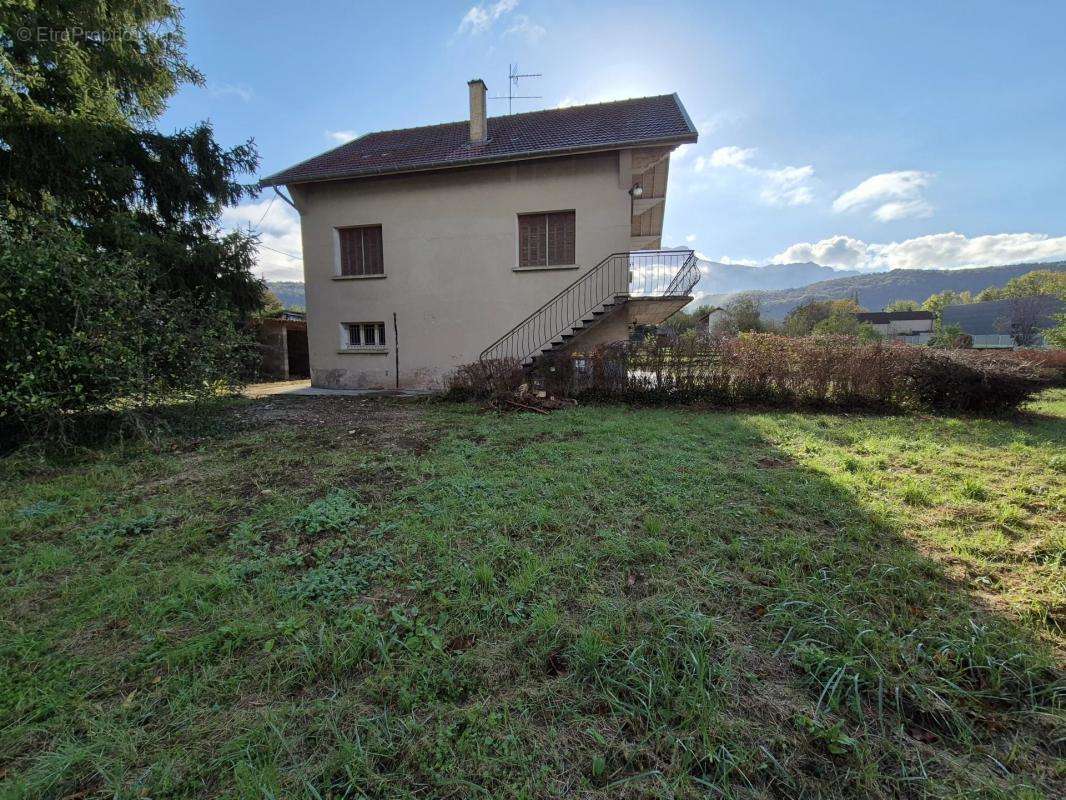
[(81, 85)]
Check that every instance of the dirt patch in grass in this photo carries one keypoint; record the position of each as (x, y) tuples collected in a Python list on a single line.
[(391, 423)]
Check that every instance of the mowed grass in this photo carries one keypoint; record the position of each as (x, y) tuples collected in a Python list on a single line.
[(347, 598)]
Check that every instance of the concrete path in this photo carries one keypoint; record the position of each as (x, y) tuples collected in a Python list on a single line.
[(305, 389)]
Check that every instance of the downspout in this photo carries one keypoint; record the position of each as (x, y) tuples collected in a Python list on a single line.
[(277, 191), (396, 348)]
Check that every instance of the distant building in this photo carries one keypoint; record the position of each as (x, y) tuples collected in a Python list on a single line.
[(283, 347), (1006, 323), (912, 327), (707, 321)]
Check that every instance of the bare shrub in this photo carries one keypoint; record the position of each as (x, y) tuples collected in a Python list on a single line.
[(962, 380), (483, 380), (1051, 363), (817, 371)]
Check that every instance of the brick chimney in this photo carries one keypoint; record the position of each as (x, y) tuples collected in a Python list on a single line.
[(479, 127)]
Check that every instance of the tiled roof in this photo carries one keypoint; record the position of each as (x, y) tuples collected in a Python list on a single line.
[(643, 121)]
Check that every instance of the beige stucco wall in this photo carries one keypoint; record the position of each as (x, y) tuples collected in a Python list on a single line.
[(450, 254)]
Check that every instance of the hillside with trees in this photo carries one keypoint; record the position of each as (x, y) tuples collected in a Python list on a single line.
[(289, 293), (878, 290)]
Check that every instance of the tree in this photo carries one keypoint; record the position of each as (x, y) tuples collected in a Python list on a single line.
[(903, 305), (1024, 315), (79, 93), (271, 305), (85, 331), (803, 320), (950, 337), (1031, 284), (683, 321), (941, 300), (1056, 337), (118, 287), (745, 313), (840, 323)]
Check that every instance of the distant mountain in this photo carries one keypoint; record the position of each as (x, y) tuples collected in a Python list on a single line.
[(878, 289), (290, 293), (719, 280)]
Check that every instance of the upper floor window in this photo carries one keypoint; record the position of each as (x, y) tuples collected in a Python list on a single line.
[(360, 250), (546, 240)]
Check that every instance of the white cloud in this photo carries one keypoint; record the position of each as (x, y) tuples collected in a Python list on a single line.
[(901, 209), (739, 262), (241, 92), (731, 156), (892, 195), (341, 136), (480, 18), (786, 186), (939, 251), (836, 251), (690, 238), (279, 233), (525, 27), (680, 153)]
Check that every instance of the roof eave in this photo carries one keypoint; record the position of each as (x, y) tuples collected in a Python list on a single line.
[(278, 178)]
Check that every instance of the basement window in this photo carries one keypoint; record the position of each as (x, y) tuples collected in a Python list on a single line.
[(361, 335), (360, 251), (546, 239)]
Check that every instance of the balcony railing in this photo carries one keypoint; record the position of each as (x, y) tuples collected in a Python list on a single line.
[(620, 276)]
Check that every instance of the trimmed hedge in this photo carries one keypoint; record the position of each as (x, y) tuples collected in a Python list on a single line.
[(818, 371)]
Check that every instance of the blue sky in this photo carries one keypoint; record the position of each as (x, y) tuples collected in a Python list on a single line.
[(855, 134)]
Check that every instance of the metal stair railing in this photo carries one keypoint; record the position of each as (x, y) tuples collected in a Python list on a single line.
[(640, 273)]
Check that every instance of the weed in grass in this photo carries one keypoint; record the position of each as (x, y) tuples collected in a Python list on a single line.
[(39, 510), (341, 577), (117, 529), (337, 511), (1009, 517), (916, 493), (972, 489), (831, 736)]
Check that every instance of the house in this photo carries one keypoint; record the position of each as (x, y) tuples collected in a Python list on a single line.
[(912, 327), (282, 341), (1008, 323), (494, 238), (709, 320)]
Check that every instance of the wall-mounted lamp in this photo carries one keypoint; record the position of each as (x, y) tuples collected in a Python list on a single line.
[(635, 191)]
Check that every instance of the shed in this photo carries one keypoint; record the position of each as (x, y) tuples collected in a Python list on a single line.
[(283, 346)]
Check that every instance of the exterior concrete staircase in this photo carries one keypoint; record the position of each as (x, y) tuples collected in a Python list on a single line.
[(642, 287)]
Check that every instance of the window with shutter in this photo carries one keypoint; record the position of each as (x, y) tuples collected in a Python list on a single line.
[(361, 251), (560, 238), (547, 239)]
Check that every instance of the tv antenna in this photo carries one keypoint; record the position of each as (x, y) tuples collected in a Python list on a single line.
[(513, 76)]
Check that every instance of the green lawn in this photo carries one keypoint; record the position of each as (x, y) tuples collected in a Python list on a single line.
[(335, 597)]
